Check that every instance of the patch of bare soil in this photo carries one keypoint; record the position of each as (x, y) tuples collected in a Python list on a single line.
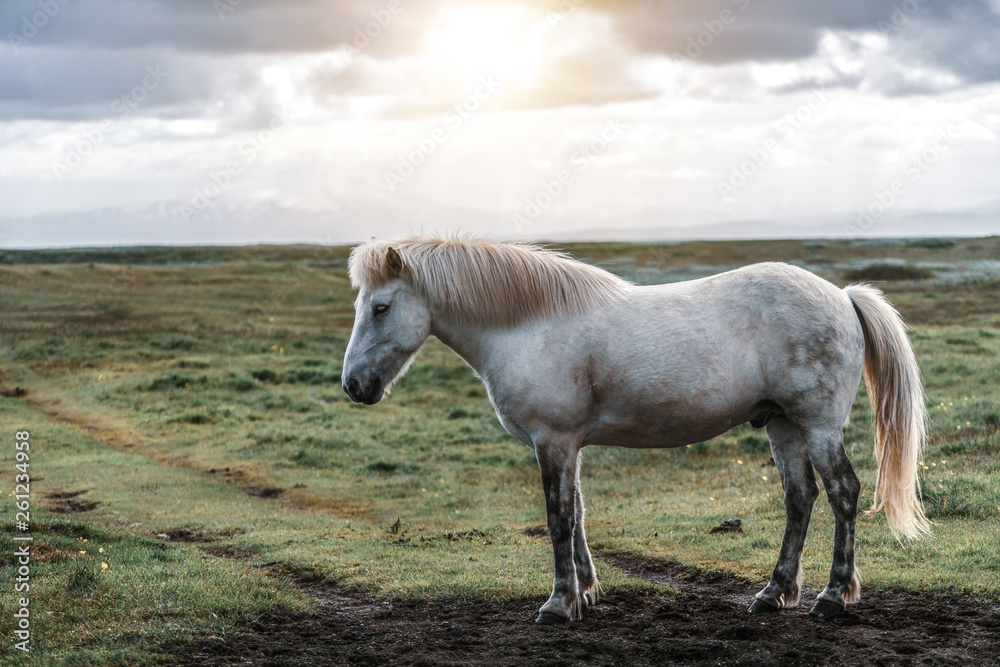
[(65, 495), (185, 534), (707, 625), (728, 526), (72, 506), (447, 537), (225, 472), (263, 491), (182, 535)]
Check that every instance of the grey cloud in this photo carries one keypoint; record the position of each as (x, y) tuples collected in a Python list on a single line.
[(74, 63), (968, 45), (62, 84), (199, 25), (725, 31), (94, 51), (960, 36), (90, 85), (361, 76)]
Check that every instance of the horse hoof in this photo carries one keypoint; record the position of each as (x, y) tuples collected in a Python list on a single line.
[(760, 606), (549, 618), (826, 609)]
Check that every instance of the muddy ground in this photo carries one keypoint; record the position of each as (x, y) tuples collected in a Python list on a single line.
[(706, 625)]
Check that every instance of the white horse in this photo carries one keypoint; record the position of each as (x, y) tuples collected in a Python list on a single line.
[(572, 355)]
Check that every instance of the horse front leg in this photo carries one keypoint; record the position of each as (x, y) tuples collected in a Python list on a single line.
[(558, 461)]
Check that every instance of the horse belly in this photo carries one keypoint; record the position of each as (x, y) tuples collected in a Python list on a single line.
[(676, 391), (664, 426)]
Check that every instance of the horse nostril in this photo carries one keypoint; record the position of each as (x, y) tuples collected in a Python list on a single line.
[(352, 387)]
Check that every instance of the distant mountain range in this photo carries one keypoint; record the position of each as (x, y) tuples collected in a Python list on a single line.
[(167, 222)]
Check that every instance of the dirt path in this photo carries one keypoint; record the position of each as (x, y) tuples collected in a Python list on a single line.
[(707, 625)]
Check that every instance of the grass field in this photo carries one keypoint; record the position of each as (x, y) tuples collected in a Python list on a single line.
[(192, 450)]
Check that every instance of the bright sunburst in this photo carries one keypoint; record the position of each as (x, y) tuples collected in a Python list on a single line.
[(501, 39)]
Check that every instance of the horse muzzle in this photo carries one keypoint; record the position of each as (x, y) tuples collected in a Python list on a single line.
[(360, 394)]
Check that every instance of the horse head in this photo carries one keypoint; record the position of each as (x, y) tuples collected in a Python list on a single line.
[(392, 321)]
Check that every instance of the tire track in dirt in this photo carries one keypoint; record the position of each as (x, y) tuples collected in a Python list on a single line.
[(128, 442)]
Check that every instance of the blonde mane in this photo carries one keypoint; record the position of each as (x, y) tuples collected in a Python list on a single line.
[(486, 282)]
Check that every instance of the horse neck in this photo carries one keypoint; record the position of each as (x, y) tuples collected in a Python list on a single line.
[(471, 342)]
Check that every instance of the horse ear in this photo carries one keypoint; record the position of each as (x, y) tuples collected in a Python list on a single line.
[(393, 261)]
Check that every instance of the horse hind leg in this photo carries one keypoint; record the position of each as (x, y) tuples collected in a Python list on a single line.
[(586, 575), (842, 489), (788, 445)]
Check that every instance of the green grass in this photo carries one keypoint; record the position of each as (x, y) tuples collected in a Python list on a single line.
[(204, 398), (149, 593)]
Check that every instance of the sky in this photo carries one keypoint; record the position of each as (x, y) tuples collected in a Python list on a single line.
[(320, 121)]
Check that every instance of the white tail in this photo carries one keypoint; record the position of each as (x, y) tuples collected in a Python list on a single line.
[(893, 380)]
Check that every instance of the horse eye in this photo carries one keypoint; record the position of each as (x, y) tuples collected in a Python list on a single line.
[(380, 309)]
